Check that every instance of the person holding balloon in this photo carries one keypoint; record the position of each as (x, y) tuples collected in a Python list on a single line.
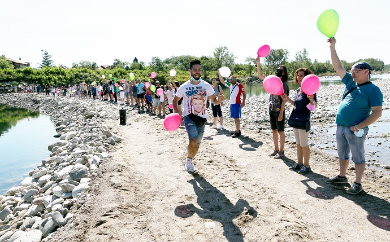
[(194, 93), (276, 108), (156, 99), (170, 94), (361, 105), (300, 121)]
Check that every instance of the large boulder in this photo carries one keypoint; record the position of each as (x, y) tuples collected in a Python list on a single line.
[(48, 227), (26, 236), (78, 171), (28, 181), (13, 190), (44, 179), (34, 210), (57, 144), (6, 236), (29, 196), (81, 188), (5, 212), (39, 173), (58, 220)]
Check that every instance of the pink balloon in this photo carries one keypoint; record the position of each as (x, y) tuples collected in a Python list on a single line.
[(116, 84), (172, 122), (273, 85), (160, 91), (263, 51), (147, 84), (310, 84), (153, 75), (170, 106)]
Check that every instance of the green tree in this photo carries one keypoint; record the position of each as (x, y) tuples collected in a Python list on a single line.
[(85, 64), (120, 64), (275, 58), (223, 57), (251, 63), (5, 64), (157, 64), (46, 60)]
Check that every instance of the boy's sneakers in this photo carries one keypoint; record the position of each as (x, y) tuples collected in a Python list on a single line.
[(337, 180), (220, 127), (355, 189), (279, 155), (189, 166), (214, 127), (304, 170)]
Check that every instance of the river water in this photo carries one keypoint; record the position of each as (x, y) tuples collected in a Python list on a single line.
[(22, 149)]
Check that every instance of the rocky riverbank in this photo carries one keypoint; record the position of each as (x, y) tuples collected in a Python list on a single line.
[(43, 201)]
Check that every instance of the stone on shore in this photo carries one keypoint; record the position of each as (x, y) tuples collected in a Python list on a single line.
[(77, 172), (5, 212), (6, 236), (58, 220), (26, 236), (30, 195), (81, 188)]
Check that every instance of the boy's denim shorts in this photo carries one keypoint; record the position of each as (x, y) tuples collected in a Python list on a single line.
[(194, 132), (347, 141)]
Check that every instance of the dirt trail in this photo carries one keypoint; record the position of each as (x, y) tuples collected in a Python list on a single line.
[(240, 193)]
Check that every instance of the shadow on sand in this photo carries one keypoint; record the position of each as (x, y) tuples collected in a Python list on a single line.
[(216, 206), (378, 209)]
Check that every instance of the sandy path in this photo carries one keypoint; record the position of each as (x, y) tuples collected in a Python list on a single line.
[(239, 194)]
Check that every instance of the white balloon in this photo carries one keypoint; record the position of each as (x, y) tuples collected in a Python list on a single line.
[(103, 76), (224, 71), (172, 72)]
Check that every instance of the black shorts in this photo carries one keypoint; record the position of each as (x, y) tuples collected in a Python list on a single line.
[(216, 110), (275, 124), (140, 95)]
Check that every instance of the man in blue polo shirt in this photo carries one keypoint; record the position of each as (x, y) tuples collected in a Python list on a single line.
[(361, 106)]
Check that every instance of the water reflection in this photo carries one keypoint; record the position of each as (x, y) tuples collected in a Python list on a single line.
[(22, 148), (9, 116)]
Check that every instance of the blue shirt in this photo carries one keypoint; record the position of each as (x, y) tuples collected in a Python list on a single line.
[(139, 88), (356, 106), (301, 101)]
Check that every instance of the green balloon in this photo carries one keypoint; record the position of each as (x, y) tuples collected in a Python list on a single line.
[(114, 79), (132, 77), (153, 88), (110, 75), (328, 23)]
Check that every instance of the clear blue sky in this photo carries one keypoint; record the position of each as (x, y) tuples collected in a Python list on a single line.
[(101, 31)]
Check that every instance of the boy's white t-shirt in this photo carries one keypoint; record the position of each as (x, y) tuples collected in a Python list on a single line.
[(195, 97)]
